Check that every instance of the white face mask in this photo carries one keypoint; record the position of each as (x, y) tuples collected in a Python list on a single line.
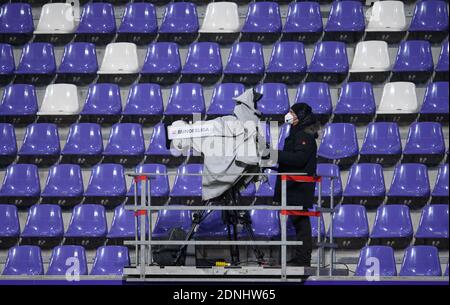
[(288, 118)]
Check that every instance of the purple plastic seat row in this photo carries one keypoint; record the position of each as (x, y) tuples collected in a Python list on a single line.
[(20, 185), (429, 21), (435, 103), (385, 257), (78, 64), (125, 144), (433, 226), (97, 24), (36, 65), (440, 190), (318, 96), (350, 226), (421, 261), (331, 176), (356, 103), (262, 23), (180, 23), (329, 62), (441, 69), (245, 64), (16, 23), (139, 24), (9, 226), (203, 64), (346, 21), (287, 63), (8, 144), (7, 64), (159, 184), (303, 22)]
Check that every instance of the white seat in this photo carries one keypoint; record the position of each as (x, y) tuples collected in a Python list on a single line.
[(221, 17), (398, 98), (56, 18), (120, 58), (60, 99), (386, 16), (371, 56)]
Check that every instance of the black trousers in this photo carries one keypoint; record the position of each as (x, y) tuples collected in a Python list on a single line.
[(302, 254)]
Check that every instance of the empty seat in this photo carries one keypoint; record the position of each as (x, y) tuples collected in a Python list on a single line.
[(303, 22), (87, 226), (212, 227), (8, 146), (328, 171), (180, 23), (7, 65), (433, 226), (9, 226), (44, 226), (139, 24), (386, 20), (318, 96), (106, 185), (329, 62), (339, 144), (435, 103), (203, 64), (78, 64), (74, 255), (385, 260), (24, 260), (263, 22), (84, 144), (168, 220), (110, 260), (60, 104), (159, 184), (56, 23), (19, 104), (64, 185), (144, 104), (421, 261), (37, 64), (371, 62), (120, 64), (398, 103), (274, 103), (40, 145), (345, 22), (125, 144), (425, 144), (162, 64), (245, 64), (20, 185), (356, 103), (16, 23), (97, 23), (429, 21), (122, 226), (185, 99), (266, 190), (221, 23), (222, 102), (287, 63), (265, 225), (103, 104), (187, 189), (441, 69), (350, 226), (159, 151), (440, 190)]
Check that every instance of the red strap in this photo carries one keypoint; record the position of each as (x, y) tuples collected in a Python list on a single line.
[(140, 178), (300, 213), (302, 178), (140, 213)]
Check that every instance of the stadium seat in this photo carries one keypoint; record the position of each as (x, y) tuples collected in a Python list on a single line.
[(441, 69), (7, 65), (326, 171), (345, 22), (171, 219), (144, 104), (125, 145), (287, 63), (44, 226), (56, 24), (158, 150), (159, 184), (37, 64), (247, 195), (40, 145), (221, 23), (392, 226), (414, 62), (180, 23), (16, 23), (329, 63), (245, 64), (139, 24), (9, 226), (187, 189), (356, 103), (421, 261), (440, 190), (222, 102), (60, 104), (103, 104), (435, 103), (283, 134), (19, 104), (162, 64), (446, 271), (274, 103), (429, 21), (120, 64), (425, 144), (63, 254), (350, 226), (433, 226), (203, 64), (382, 144), (87, 226), (265, 225), (107, 185), (185, 100), (266, 190), (213, 227), (8, 145), (24, 260), (110, 260), (97, 24), (123, 226), (398, 103), (303, 22), (386, 261), (20, 185), (262, 23), (78, 64), (318, 96), (64, 185), (386, 21), (371, 62), (339, 145)]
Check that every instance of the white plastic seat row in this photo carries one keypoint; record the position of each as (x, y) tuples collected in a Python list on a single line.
[(56, 18), (386, 20), (221, 22), (398, 102), (370, 62)]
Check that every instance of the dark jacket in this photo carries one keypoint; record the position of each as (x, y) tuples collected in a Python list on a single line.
[(298, 156)]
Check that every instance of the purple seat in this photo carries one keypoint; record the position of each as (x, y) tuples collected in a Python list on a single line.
[(187, 189), (365, 185), (346, 21), (203, 64), (440, 191), (63, 254), (263, 22), (184, 100), (40, 144), (429, 21), (19, 104), (159, 184), (162, 64), (446, 271), (97, 23), (266, 189), (303, 22), (425, 144), (87, 226), (385, 257), (20, 185), (212, 227), (414, 62), (421, 261), (326, 171), (110, 260), (441, 69), (158, 150), (78, 64), (44, 226), (381, 144), (265, 225), (171, 219), (247, 195), (435, 103), (7, 65), (283, 134), (8, 146), (356, 103), (316, 95), (329, 62), (144, 104), (180, 23), (245, 64), (9, 226), (64, 185), (392, 226), (125, 144), (339, 145), (350, 226), (287, 63), (274, 103), (16, 23), (433, 226), (24, 260), (103, 104), (139, 24), (123, 226), (37, 64), (84, 144), (222, 102)]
